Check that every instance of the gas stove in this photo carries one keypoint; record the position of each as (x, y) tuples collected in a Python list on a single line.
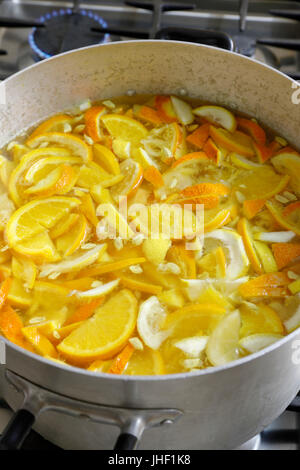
[(31, 30)]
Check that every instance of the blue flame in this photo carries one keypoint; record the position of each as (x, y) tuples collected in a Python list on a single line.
[(62, 12)]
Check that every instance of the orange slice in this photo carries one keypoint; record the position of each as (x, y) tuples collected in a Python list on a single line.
[(26, 230), (209, 201), (133, 177), (154, 176), (92, 119), (190, 158), (191, 319), (75, 144), (253, 129), (271, 284), (70, 242), (263, 152), (125, 128), (200, 189), (53, 124), (285, 253), (104, 334), (199, 136), (235, 142), (212, 151), (145, 113), (261, 183), (165, 109), (11, 327), (40, 168), (217, 115), (244, 229), (40, 343), (58, 181), (120, 363), (251, 207), (287, 217), (84, 312)]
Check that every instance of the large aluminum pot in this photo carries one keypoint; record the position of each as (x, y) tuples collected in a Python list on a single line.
[(218, 408)]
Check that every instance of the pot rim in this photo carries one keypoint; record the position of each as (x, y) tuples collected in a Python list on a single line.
[(164, 377)]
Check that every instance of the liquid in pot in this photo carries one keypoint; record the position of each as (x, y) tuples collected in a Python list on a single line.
[(149, 235)]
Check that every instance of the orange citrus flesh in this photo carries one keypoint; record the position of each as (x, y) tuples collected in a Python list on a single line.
[(83, 282)]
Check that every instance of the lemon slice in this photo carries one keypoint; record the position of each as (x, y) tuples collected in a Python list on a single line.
[(149, 323), (274, 237), (243, 162), (195, 288), (74, 263), (133, 176), (105, 158), (164, 142), (125, 128), (222, 346), (75, 144), (255, 343), (217, 115), (266, 257), (193, 346), (293, 322), (121, 148), (98, 291), (232, 243), (289, 163), (142, 157), (182, 110), (105, 333)]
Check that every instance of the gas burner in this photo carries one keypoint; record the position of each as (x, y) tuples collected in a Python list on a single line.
[(65, 30)]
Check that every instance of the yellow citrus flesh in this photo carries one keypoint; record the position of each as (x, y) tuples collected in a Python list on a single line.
[(27, 229), (124, 127), (145, 362), (105, 333)]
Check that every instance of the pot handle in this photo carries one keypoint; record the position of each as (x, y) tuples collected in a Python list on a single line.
[(17, 430), (131, 421), (126, 441)]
